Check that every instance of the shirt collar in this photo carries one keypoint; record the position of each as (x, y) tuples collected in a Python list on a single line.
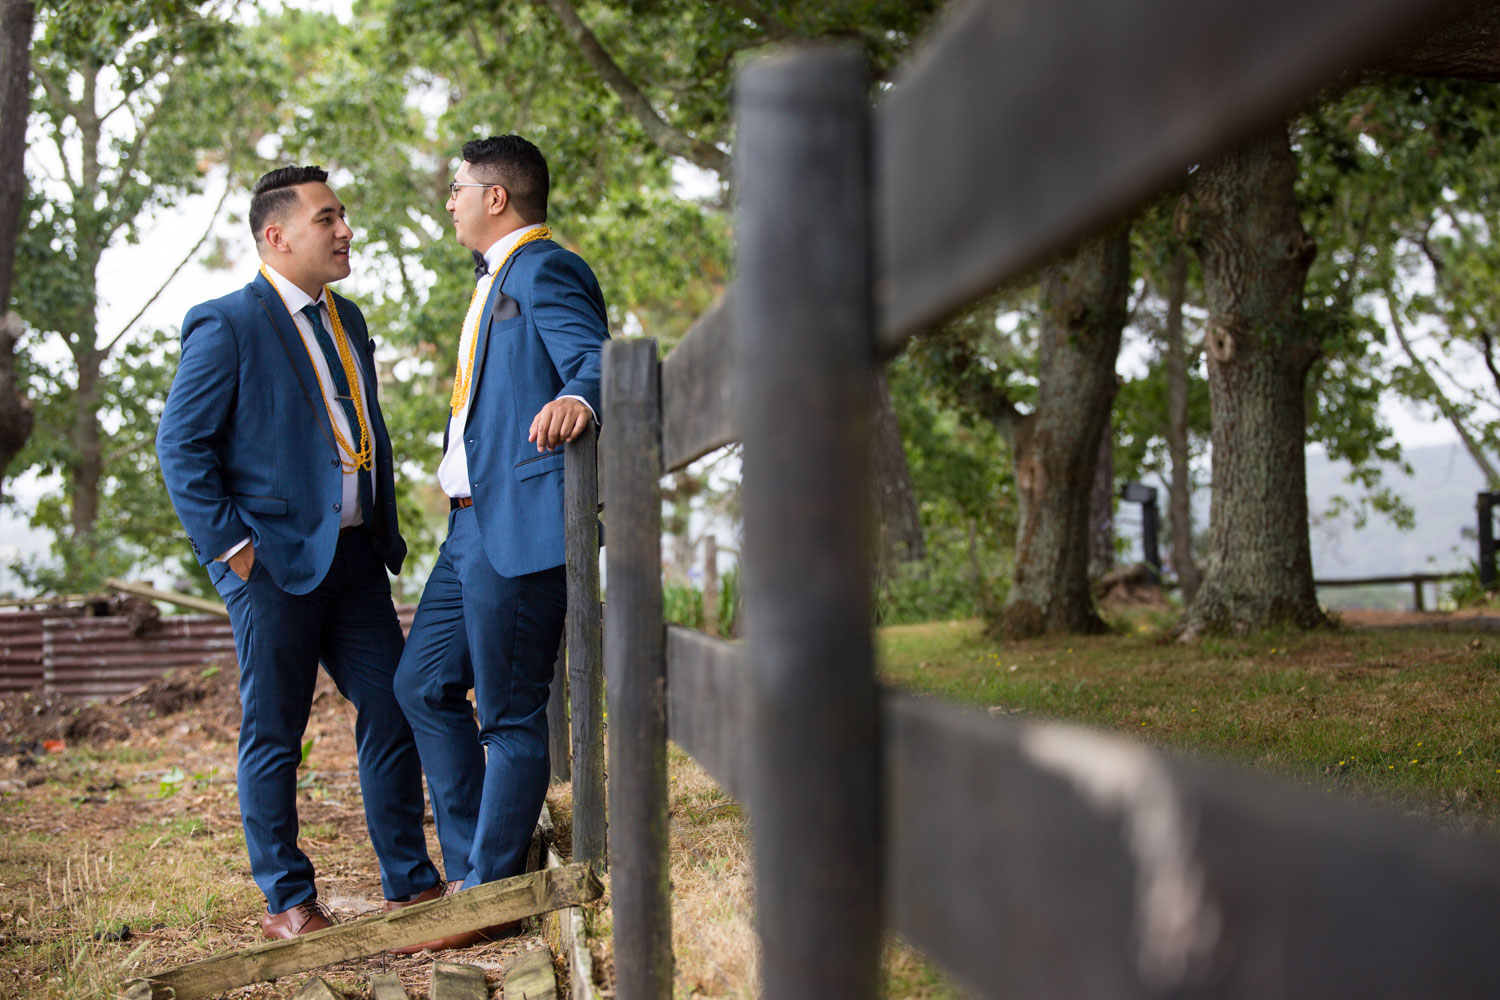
[(496, 253), (295, 298)]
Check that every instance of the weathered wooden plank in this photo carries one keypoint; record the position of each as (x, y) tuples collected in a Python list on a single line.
[(455, 981), (481, 906), (708, 704), (697, 413), (559, 748), (803, 322), (169, 596), (585, 637), (994, 151), (529, 976), (317, 988), (387, 986), (635, 670), (1118, 872), (565, 934)]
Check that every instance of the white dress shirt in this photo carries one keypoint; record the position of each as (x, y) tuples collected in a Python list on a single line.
[(297, 300), (453, 470)]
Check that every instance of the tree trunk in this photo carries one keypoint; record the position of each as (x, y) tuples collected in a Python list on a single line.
[(1180, 493), (1467, 47), (16, 20), (1057, 445), (1255, 255), (88, 449), (1102, 507), (897, 518)]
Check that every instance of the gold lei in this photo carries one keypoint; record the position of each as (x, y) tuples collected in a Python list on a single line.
[(364, 457), (464, 372)]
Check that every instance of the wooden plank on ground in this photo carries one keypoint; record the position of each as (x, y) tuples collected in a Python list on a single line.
[(317, 988), (481, 906), (995, 149), (1116, 871), (455, 981), (529, 976), (169, 596), (387, 986), (708, 704), (697, 412)]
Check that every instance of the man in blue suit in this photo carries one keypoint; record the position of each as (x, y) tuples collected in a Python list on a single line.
[(491, 616), (277, 460)]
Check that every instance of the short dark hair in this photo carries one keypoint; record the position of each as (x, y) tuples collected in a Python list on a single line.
[(273, 194), (516, 165)]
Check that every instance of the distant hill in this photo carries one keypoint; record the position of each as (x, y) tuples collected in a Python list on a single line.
[(1441, 490)]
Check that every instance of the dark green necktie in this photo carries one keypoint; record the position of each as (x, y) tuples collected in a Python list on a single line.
[(346, 399)]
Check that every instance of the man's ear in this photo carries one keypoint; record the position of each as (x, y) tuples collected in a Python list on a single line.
[(275, 238), (499, 200)]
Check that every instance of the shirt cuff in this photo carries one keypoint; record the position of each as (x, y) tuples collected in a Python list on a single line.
[(224, 556), (585, 405)]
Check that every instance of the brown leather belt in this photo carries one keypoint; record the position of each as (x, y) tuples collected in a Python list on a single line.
[(459, 503)]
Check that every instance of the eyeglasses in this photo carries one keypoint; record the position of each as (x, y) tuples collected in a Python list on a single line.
[(453, 187)]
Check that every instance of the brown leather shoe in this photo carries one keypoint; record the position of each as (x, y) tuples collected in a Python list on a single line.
[(304, 918), (425, 896), (466, 939)]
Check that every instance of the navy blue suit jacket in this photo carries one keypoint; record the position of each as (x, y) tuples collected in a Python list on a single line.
[(542, 335), (246, 446)]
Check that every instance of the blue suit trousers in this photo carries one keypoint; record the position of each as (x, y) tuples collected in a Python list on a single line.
[(487, 764), (349, 623)]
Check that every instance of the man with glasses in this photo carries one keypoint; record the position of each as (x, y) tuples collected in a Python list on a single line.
[(277, 460), (491, 616)]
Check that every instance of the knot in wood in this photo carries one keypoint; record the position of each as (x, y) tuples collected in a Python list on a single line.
[(1220, 343)]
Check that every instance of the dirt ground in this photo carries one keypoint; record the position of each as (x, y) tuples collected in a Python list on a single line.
[(121, 849)]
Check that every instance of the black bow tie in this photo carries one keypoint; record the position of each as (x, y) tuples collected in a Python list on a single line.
[(481, 266)]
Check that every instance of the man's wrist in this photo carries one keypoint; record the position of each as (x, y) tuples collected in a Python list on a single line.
[(229, 552)]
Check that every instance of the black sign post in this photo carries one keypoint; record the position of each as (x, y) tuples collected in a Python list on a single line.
[(1146, 497), (1486, 504)]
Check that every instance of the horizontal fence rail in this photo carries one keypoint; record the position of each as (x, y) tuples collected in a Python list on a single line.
[(1025, 124), (697, 409), (1118, 871), (708, 704), (1115, 871)]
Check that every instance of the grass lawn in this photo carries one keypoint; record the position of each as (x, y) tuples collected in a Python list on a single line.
[(1408, 717)]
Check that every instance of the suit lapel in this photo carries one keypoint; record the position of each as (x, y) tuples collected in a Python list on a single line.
[(295, 350), (491, 303)]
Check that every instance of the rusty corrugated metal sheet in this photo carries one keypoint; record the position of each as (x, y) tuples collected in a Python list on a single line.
[(101, 657), (21, 645)]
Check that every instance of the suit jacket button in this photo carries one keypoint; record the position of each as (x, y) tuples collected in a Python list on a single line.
[(334, 461), (336, 508)]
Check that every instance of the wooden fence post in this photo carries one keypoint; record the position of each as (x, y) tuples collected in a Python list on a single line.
[(804, 321), (711, 585), (558, 749), (584, 638), (635, 669)]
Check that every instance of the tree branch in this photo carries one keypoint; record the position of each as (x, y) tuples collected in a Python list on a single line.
[(127, 165), (213, 220), (1489, 355), (669, 139), (1441, 400)]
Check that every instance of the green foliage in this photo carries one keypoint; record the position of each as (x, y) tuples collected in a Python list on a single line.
[(682, 603), (966, 497)]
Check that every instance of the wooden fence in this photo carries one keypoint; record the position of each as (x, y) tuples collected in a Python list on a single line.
[(1029, 859)]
